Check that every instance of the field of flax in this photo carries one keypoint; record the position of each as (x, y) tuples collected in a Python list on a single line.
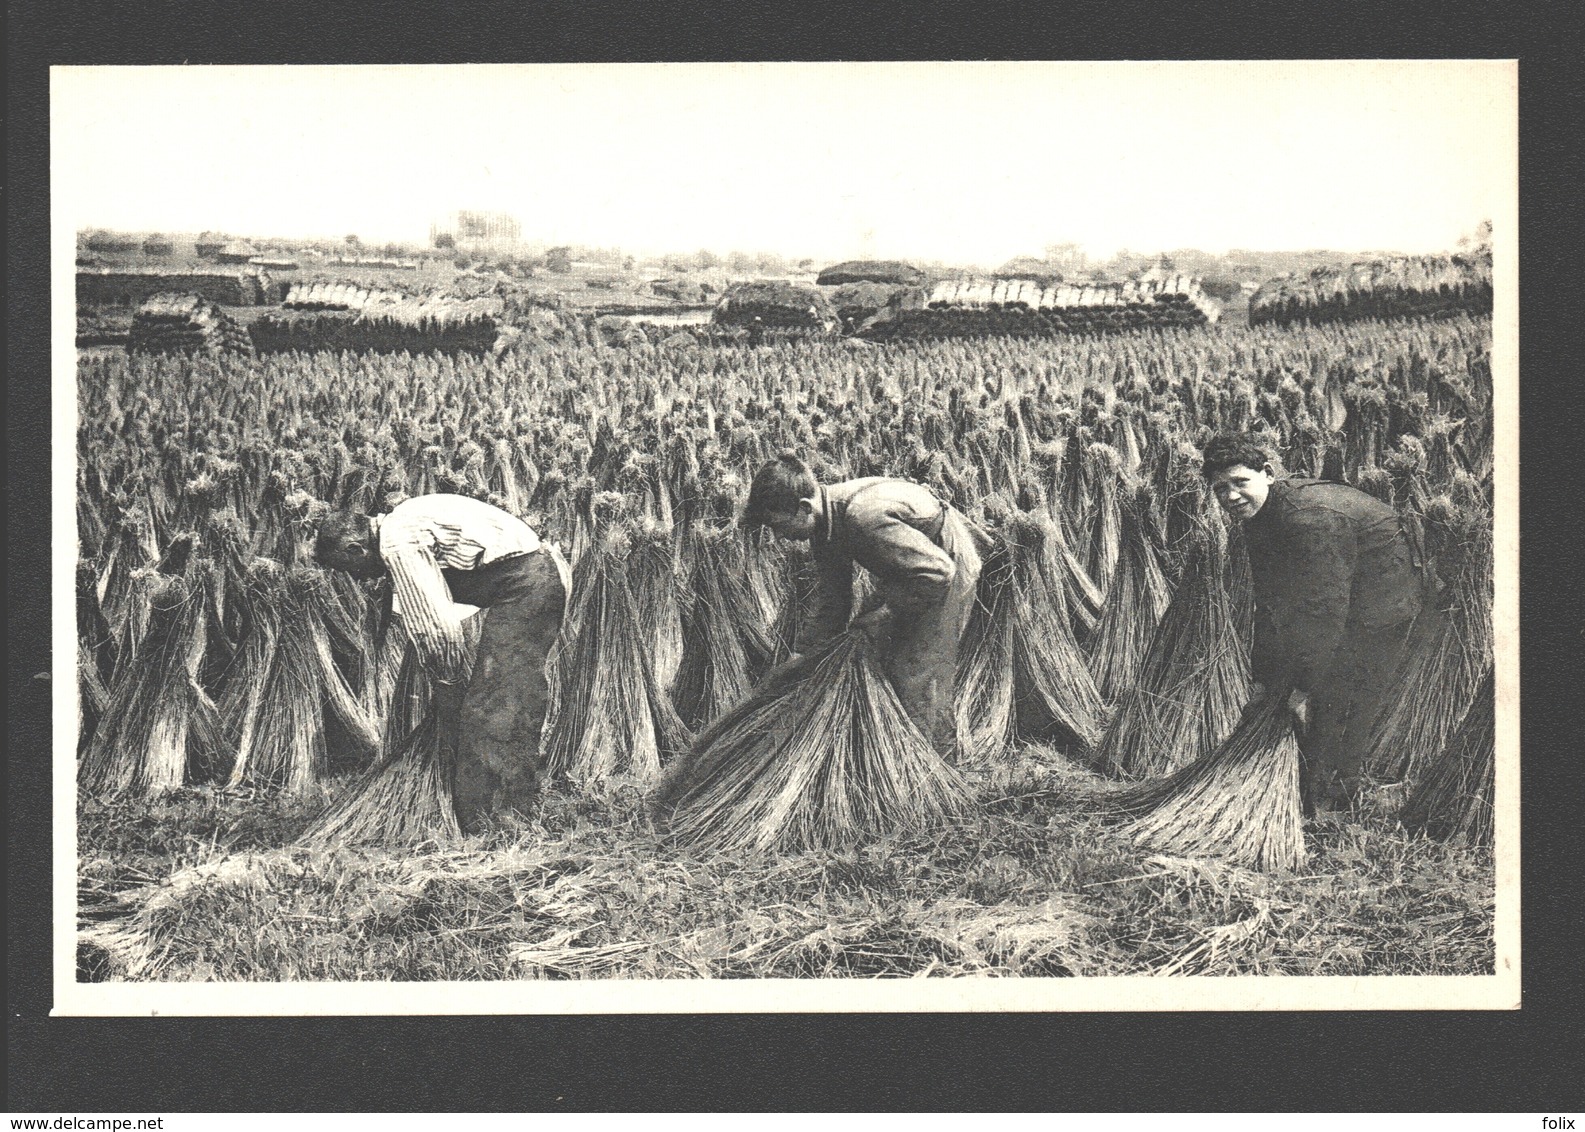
[(229, 690)]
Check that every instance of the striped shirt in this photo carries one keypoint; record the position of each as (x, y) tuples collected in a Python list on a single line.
[(429, 534)]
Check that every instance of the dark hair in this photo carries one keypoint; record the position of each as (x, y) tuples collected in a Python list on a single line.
[(338, 529), (1230, 450), (779, 485)]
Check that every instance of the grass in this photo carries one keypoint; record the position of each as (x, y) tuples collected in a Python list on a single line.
[(199, 886)]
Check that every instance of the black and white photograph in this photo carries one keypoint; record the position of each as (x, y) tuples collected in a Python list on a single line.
[(974, 536)]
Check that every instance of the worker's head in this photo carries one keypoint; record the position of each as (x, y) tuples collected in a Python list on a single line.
[(783, 497), (345, 541), (1239, 471)]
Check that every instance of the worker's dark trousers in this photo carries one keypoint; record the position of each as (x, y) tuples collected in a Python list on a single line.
[(921, 648), (1348, 706), (498, 718)]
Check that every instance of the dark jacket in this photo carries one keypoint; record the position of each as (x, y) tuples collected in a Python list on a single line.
[(1327, 561), (893, 529)]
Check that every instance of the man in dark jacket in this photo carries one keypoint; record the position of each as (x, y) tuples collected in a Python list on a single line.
[(1337, 593), (924, 557)]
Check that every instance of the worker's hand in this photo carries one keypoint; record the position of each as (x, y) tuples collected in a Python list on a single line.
[(786, 672), (790, 664), (449, 675), (1299, 705), (875, 625)]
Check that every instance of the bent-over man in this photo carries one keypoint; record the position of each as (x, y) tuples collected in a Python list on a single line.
[(442, 551), (925, 558), (1338, 590)]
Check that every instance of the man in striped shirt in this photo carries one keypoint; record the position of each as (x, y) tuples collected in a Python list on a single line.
[(443, 552)]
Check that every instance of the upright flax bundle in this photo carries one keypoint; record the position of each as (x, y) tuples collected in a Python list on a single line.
[(1022, 676), (1457, 796), (726, 645), (158, 717), (1193, 681), (285, 692), (608, 717)]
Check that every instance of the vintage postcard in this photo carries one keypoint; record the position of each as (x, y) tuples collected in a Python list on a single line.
[(785, 537)]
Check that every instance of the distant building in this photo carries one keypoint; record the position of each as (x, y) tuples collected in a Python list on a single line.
[(1027, 267), (373, 261), (110, 242), (1160, 271), (1067, 259), (472, 227), (208, 244)]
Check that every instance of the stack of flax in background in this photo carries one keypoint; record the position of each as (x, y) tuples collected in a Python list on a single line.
[(776, 305), (347, 316), (980, 308), (173, 322), (1404, 286)]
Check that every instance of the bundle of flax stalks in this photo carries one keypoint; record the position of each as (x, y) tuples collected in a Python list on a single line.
[(1457, 796), (1100, 514), (1054, 697), (983, 697), (158, 715), (1454, 649), (406, 797), (1194, 679), (656, 584), (1239, 803), (1021, 676), (343, 647), (285, 689), (798, 583), (608, 717), (1135, 603), (821, 756), (1084, 599), (767, 572), (95, 657), (726, 646)]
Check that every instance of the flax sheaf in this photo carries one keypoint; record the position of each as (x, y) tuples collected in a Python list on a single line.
[(820, 756)]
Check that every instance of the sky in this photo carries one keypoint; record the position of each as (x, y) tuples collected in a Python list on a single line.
[(959, 162)]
